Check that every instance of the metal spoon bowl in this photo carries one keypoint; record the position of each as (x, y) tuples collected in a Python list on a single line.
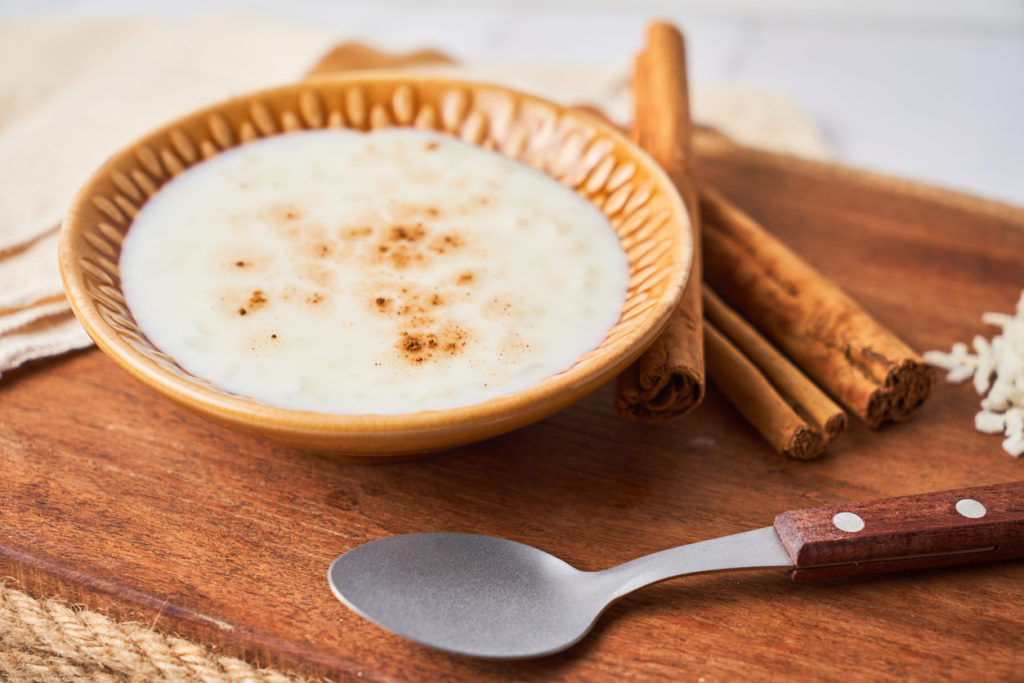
[(491, 597)]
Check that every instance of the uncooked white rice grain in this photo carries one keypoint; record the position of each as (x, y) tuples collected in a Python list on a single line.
[(997, 370)]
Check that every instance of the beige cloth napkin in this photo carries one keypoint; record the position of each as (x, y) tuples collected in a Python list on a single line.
[(79, 91)]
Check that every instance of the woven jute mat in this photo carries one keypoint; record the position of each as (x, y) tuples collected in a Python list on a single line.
[(50, 640)]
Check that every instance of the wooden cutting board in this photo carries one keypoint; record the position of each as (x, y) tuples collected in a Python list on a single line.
[(116, 498)]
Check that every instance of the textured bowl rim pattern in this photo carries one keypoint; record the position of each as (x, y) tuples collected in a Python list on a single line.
[(577, 149)]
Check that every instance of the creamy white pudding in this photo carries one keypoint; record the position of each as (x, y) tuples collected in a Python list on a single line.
[(384, 272)]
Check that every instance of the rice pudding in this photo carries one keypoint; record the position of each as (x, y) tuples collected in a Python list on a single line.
[(371, 273)]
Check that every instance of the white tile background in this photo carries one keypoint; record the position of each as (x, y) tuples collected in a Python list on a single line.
[(927, 90)]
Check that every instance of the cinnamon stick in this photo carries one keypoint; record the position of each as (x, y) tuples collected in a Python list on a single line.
[(807, 400), (848, 353), (754, 396), (668, 380)]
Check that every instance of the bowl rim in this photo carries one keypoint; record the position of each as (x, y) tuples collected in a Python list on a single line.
[(244, 411)]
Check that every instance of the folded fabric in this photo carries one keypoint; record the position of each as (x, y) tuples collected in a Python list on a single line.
[(22, 317), (29, 273), (35, 320), (48, 335)]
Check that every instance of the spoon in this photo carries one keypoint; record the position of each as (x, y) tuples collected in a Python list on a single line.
[(490, 597)]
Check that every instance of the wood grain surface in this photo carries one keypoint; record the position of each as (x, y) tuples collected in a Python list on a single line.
[(906, 532), (116, 498)]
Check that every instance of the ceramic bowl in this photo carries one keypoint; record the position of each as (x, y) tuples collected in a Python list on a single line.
[(580, 151)]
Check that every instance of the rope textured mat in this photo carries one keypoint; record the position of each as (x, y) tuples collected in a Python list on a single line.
[(49, 640)]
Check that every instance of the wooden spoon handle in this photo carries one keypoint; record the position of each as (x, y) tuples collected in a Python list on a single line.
[(962, 526)]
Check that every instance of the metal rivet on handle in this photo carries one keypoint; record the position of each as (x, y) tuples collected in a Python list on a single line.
[(847, 521), (968, 507)]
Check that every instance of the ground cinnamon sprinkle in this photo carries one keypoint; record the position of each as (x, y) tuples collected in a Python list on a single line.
[(284, 213), (357, 233), (445, 242), (403, 257), (419, 347), (256, 301), (403, 233)]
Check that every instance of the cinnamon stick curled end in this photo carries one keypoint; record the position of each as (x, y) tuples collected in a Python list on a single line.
[(834, 426), (909, 384), (804, 444), (754, 396), (673, 396), (667, 381)]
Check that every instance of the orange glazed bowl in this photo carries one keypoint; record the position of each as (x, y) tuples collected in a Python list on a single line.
[(578, 150)]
